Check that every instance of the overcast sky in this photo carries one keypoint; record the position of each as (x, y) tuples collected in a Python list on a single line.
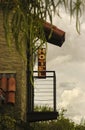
[(69, 63)]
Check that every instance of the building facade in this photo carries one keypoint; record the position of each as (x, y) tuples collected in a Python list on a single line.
[(11, 63)]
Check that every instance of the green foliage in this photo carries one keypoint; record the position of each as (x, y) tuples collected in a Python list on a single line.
[(62, 123), (75, 8), (23, 25), (27, 16), (42, 108), (7, 122), (24, 21)]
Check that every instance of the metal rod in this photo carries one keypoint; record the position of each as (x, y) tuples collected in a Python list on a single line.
[(54, 91)]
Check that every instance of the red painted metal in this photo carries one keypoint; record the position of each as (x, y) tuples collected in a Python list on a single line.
[(12, 84), (57, 35), (11, 97), (3, 85)]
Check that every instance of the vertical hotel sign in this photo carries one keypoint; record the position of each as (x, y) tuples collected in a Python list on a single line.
[(42, 62)]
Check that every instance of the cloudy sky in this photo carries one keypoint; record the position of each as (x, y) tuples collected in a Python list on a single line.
[(69, 64)]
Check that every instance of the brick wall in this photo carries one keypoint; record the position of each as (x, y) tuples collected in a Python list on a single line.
[(10, 60)]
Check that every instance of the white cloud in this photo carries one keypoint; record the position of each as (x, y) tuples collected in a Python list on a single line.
[(72, 99), (68, 96), (69, 64), (58, 60)]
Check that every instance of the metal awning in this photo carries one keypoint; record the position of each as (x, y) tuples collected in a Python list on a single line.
[(57, 37)]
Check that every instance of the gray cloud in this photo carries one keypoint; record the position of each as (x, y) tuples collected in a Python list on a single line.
[(69, 64), (74, 44)]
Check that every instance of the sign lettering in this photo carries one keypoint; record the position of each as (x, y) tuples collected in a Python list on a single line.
[(42, 62)]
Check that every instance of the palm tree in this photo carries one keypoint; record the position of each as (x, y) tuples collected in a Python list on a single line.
[(27, 18), (23, 23)]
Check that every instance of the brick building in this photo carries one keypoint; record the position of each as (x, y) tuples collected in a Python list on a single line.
[(14, 69)]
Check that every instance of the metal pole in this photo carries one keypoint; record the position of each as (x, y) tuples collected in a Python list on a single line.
[(54, 91), (30, 87)]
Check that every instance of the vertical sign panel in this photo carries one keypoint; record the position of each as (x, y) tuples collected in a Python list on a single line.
[(42, 62)]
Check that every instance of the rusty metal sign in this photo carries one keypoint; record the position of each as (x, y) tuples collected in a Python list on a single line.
[(42, 62)]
